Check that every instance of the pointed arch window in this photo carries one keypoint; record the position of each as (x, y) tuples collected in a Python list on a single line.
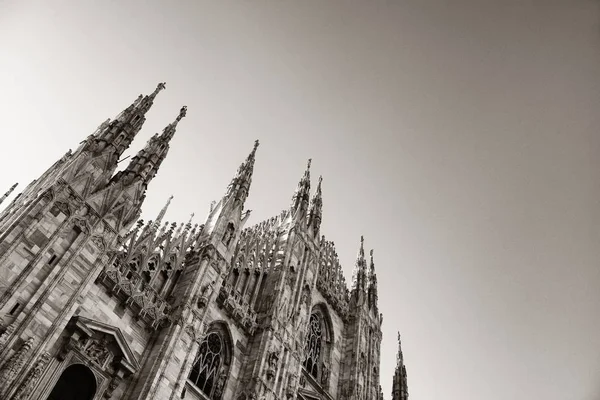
[(313, 346), (211, 364), (317, 350)]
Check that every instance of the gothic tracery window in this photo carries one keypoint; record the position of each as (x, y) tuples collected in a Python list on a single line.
[(314, 344), (210, 367)]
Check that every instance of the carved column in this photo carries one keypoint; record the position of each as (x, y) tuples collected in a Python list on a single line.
[(14, 365), (32, 378)]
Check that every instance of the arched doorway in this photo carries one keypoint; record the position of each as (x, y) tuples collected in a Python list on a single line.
[(77, 382)]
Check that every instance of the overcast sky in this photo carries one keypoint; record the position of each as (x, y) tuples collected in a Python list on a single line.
[(461, 138)]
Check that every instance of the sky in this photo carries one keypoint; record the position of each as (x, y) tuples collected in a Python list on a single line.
[(460, 138)]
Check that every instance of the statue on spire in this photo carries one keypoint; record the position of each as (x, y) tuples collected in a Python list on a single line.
[(159, 87), (182, 113)]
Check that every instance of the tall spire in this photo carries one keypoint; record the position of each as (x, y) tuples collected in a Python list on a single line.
[(372, 285), (399, 356), (240, 184), (301, 197), (5, 195), (169, 130), (316, 209), (162, 213), (143, 103), (120, 132), (359, 274), (400, 380), (146, 162)]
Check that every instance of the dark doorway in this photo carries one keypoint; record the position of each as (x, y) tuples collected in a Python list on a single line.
[(77, 382)]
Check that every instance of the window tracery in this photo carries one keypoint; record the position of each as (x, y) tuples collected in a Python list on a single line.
[(211, 364), (319, 341), (314, 344)]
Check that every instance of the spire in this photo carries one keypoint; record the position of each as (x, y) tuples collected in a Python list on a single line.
[(162, 213), (5, 195), (301, 197), (400, 380), (359, 274), (120, 132), (372, 285), (240, 184), (169, 130), (399, 356), (316, 209), (146, 162), (143, 103)]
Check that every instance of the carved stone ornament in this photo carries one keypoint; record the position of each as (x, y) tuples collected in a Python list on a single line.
[(220, 385), (291, 386), (97, 351), (272, 359), (189, 329), (32, 378), (81, 224), (101, 344), (82, 211), (98, 242), (63, 207), (324, 375), (48, 195)]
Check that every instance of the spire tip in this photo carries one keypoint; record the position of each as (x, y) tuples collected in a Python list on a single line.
[(182, 113)]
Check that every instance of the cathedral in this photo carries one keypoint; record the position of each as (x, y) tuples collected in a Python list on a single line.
[(97, 304)]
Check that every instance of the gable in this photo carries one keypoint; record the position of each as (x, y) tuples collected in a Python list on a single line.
[(95, 328)]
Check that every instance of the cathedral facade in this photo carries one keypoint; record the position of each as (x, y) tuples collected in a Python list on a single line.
[(97, 304)]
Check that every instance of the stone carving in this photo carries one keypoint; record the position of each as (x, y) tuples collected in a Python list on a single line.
[(208, 253), (97, 351), (228, 235), (272, 359), (98, 242), (324, 375), (13, 366), (63, 207), (32, 378), (220, 386), (81, 224)]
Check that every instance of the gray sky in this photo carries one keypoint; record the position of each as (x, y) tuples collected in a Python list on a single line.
[(461, 138)]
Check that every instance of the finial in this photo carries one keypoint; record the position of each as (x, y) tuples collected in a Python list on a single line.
[(399, 356), (159, 87), (308, 163), (371, 254), (182, 113), (320, 181), (162, 213), (191, 217), (253, 153)]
